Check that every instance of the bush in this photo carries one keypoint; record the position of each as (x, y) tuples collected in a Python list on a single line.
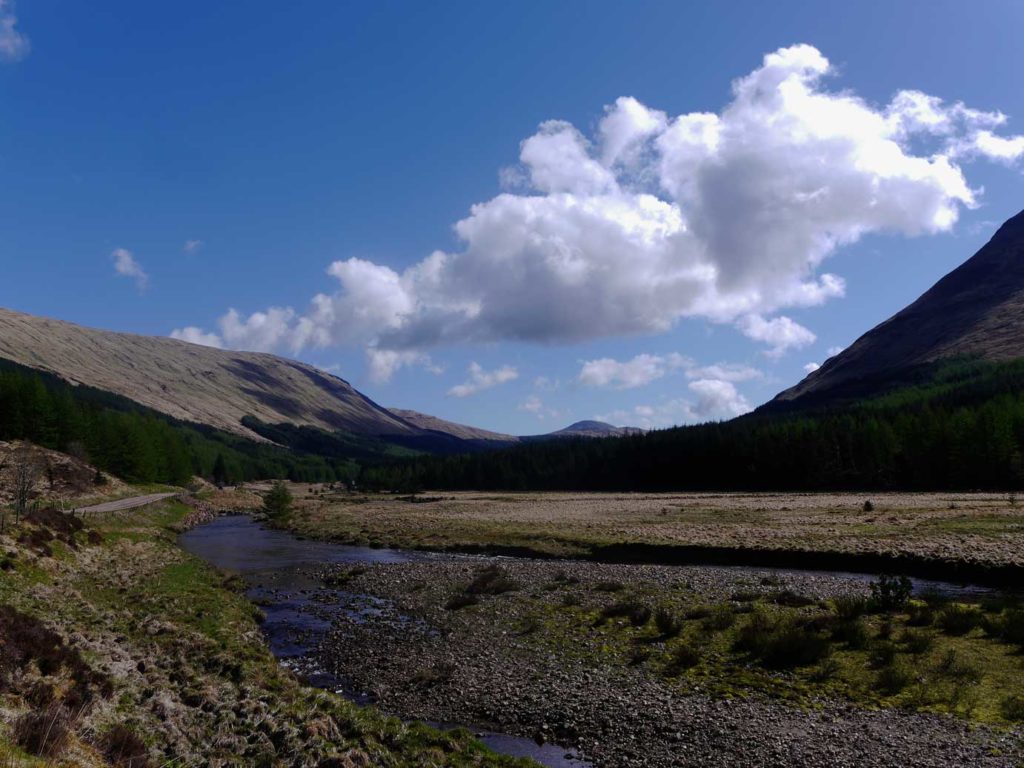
[(637, 613), (458, 602), (893, 678), (890, 593), (684, 656), (719, 618), (492, 580), (917, 641), (868, 506), (1008, 627), (123, 748), (44, 732), (1012, 707), (920, 614), (956, 619), (667, 622), (853, 632), (953, 666), (781, 643), (609, 586), (850, 606), (882, 654)]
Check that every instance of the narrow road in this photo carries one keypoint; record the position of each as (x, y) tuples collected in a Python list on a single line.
[(131, 503)]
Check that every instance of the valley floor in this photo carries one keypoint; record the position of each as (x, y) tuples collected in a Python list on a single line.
[(660, 666), (944, 532)]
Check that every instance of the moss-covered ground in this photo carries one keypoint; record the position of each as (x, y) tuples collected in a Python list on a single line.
[(146, 650)]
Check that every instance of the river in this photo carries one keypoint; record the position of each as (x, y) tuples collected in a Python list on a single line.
[(272, 563)]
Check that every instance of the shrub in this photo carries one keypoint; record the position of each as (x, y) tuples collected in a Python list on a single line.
[(431, 676), (868, 506), (458, 602), (781, 643), (667, 622), (638, 656), (882, 654), (893, 678), (850, 606), (1012, 707), (955, 667), (123, 748), (571, 599), (1008, 627), (920, 614), (637, 613), (885, 630), (43, 732), (917, 641), (890, 593), (492, 580), (609, 586), (853, 632), (719, 618), (697, 612), (956, 619), (684, 656)]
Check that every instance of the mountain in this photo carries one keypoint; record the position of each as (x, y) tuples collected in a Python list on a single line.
[(254, 395), (461, 431), (484, 438), (974, 312), (195, 383), (590, 429)]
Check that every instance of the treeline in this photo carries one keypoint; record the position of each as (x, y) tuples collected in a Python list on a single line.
[(140, 445), (960, 427)]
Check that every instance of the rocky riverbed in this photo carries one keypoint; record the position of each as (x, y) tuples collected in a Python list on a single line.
[(434, 649)]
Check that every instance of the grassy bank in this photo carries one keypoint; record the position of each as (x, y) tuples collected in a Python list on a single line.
[(120, 649)]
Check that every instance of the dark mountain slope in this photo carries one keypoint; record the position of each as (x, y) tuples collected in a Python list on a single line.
[(976, 312)]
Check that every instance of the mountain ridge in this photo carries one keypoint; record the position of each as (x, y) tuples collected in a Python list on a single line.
[(975, 311), (226, 389)]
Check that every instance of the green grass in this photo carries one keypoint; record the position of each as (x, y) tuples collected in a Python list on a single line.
[(170, 610), (793, 654)]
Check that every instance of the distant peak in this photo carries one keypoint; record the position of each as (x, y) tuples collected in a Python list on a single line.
[(590, 426)]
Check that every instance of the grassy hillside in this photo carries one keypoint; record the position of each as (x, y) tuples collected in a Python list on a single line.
[(120, 649), (134, 442), (956, 425)]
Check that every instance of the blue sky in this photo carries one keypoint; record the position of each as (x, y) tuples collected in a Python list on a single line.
[(281, 139)]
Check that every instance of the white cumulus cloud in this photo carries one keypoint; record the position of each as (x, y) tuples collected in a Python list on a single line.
[(641, 370), (811, 367), (479, 380), (126, 266), (712, 399), (384, 363), (14, 45), (645, 368), (194, 335), (655, 218), (780, 333)]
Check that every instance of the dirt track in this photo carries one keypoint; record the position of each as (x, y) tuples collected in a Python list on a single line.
[(133, 502)]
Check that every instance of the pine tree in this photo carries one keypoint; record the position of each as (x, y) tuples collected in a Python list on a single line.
[(278, 502), (220, 471)]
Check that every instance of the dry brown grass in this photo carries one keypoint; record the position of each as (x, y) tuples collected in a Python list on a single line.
[(983, 528)]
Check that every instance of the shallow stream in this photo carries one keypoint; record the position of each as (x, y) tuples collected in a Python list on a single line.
[(298, 607)]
